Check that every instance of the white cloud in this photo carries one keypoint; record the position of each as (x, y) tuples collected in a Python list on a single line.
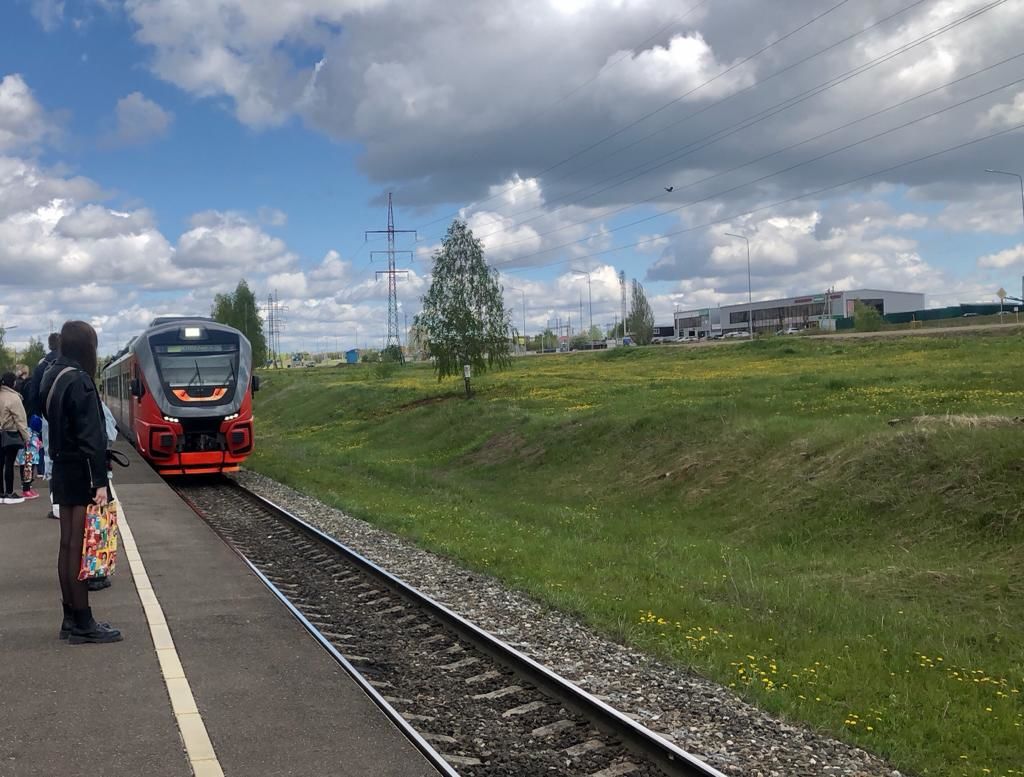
[(23, 122), (1007, 114), (1007, 258), (140, 120), (995, 208), (797, 253), (49, 13), (230, 242), (272, 217), (685, 65), (560, 298), (440, 128)]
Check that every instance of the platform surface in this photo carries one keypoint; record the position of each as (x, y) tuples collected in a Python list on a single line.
[(273, 702)]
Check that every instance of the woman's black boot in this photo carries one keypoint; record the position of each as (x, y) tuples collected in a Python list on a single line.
[(88, 630), (68, 623)]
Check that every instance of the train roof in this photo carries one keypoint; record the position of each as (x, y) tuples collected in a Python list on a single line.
[(172, 319)]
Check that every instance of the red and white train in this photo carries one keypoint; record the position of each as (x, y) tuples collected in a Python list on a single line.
[(181, 392)]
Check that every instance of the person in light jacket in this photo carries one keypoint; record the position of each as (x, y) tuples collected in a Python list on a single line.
[(78, 447), (13, 435)]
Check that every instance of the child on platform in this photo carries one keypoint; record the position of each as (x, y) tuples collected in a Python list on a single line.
[(29, 459)]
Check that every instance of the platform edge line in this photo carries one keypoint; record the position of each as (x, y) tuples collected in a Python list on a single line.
[(199, 750)]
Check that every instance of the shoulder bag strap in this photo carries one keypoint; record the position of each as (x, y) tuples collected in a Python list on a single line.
[(53, 387)]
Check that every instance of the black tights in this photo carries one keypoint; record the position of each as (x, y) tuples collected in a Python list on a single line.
[(10, 454), (73, 591)]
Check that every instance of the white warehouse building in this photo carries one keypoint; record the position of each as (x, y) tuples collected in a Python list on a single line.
[(811, 311)]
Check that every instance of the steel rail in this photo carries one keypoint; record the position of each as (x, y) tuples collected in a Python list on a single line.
[(671, 758), (433, 757)]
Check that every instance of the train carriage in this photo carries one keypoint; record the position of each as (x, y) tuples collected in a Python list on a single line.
[(182, 393)]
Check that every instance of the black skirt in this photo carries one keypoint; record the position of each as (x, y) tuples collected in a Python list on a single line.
[(69, 483)]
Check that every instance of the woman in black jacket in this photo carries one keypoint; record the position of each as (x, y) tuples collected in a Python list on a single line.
[(78, 448)]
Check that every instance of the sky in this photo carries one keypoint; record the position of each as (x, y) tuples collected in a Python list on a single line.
[(155, 152)]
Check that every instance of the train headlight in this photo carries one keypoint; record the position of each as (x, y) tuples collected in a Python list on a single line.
[(172, 419), (231, 417)]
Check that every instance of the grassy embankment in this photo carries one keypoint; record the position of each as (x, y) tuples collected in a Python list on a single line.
[(746, 510)]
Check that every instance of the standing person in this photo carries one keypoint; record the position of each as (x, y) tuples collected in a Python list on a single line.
[(33, 405), (21, 380), (13, 436), (30, 458), (78, 447)]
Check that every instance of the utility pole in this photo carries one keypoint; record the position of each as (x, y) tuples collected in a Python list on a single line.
[(1020, 180), (622, 293), (393, 338), (270, 329), (750, 298), (590, 302), (525, 339)]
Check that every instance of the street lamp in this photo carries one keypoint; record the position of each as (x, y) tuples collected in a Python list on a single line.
[(590, 300), (750, 296), (1019, 178), (513, 288)]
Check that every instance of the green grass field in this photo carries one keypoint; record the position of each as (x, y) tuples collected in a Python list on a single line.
[(754, 511)]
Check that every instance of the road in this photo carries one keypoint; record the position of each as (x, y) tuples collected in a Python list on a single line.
[(936, 330)]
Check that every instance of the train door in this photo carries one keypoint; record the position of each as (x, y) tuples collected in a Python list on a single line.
[(132, 378)]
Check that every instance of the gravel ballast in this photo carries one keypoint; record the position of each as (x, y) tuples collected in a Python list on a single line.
[(696, 714)]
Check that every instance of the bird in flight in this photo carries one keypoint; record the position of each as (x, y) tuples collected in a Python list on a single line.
[(669, 188)]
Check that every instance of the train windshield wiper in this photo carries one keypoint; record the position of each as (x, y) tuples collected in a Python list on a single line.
[(197, 374)]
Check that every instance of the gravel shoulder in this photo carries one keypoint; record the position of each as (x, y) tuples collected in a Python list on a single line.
[(698, 715)]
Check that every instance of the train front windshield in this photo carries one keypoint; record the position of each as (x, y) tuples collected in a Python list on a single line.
[(197, 371)]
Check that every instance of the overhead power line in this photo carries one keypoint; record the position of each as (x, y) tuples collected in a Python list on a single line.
[(708, 107), (701, 143), (769, 206), (657, 110), (765, 177), (677, 188)]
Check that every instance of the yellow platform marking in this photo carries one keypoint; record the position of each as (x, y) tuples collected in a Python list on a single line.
[(198, 748)]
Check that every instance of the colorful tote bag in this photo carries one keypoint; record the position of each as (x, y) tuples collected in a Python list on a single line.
[(99, 546)]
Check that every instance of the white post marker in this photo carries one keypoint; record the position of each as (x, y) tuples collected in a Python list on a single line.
[(467, 373)]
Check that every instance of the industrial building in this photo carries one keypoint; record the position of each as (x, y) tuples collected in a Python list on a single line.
[(811, 311)]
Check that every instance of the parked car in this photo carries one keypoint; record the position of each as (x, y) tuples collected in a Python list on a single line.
[(738, 333), (789, 331)]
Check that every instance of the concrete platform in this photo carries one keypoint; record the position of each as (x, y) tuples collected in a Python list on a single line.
[(273, 703)]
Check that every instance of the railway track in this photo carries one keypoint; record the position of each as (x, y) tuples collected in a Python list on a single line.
[(472, 704)]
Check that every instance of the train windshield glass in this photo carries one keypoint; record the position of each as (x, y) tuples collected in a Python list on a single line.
[(197, 371)]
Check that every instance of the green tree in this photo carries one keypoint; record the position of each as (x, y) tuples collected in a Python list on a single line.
[(32, 355), (392, 353), (6, 357), (240, 310), (547, 339), (641, 317), (866, 318), (464, 316)]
